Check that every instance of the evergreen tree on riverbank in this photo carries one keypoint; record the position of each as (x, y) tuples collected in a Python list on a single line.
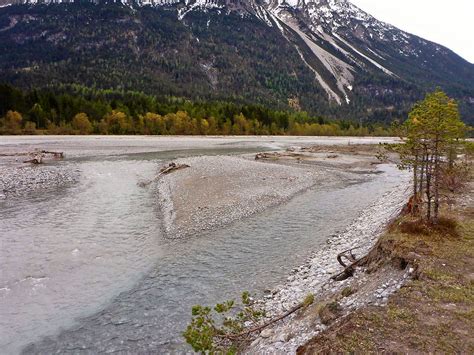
[(433, 136)]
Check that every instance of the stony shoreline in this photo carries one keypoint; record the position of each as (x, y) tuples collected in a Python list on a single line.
[(314, 277)]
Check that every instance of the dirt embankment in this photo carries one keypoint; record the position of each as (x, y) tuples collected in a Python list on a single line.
[(413, 291), (433, 311)]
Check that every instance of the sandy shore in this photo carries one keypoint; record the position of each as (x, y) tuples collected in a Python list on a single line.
[(217, 190)]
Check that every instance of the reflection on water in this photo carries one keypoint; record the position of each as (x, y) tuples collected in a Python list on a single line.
[(89, 267)]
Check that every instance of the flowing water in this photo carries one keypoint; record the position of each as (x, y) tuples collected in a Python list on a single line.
[(87, 269)]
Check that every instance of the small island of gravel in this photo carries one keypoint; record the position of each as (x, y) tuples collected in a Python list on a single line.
[(217, 190)]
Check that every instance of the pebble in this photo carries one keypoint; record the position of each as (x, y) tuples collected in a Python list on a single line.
[(266, 333)]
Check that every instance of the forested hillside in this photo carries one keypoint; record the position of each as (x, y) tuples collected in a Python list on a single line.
[(227, 54)]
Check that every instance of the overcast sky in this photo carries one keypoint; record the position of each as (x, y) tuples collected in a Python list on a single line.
[(450, 23)]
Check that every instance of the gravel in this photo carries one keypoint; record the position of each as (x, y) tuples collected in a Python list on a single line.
[(19, 181), (217, 190)]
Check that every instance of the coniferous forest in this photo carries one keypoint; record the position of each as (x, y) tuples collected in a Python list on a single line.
[(79, 110)]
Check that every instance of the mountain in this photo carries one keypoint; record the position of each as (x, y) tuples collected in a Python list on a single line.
[(324, 56)]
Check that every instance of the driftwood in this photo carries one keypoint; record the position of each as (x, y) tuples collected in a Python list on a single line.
[(37, 160), (171, 167), (348, 269), (164, 171), (58, 155), (278, 155), (347, 254), (37, 157), (259, 156)]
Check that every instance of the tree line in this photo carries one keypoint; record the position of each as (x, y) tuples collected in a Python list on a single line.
[(80, 110)]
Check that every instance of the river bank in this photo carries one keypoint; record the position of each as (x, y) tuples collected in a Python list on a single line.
[(314, 277), (433, 312)]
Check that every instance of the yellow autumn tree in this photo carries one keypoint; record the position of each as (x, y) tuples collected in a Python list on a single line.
[(81, 123), (12, 122)]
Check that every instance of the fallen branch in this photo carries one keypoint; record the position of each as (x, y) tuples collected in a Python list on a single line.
[(171, 167), (348, 254), (308, 301), (164, 171), (277, 155), (36, 160)]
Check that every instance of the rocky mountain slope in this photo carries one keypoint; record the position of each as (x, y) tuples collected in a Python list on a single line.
[(325, 56)]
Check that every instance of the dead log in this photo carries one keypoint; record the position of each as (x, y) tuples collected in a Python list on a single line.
[(38, 156), (37, 160), (278, 155), (345, 274), (164, 171), (172, 167), (259, 156), (58, 155)]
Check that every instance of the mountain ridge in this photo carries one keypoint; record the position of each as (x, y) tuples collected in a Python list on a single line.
[(353, 58)]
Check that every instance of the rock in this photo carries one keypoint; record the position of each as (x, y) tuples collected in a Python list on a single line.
[(266, 333), (281, 338), (255, 342)]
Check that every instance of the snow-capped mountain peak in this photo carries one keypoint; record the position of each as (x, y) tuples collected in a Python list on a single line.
[(347, 51)]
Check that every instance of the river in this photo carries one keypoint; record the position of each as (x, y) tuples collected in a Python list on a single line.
[(86, 268)]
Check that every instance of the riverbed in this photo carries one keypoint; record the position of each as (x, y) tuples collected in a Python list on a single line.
[(87, 266)]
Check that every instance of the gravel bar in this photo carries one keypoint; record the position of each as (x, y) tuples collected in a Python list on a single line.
[(217, 190), (19, 181)]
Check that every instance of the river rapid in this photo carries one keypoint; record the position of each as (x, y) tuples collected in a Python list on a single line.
[(86, 268)]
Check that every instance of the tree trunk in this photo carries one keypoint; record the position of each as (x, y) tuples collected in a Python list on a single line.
[(436, 182), (415, 175), (421, 181), (429, 163)]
